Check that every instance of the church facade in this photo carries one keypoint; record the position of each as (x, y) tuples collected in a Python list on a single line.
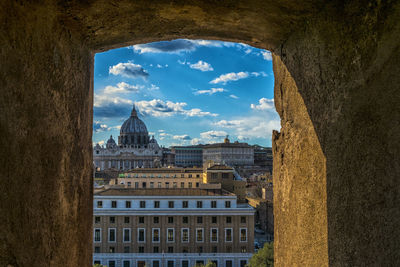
[(135, 148)]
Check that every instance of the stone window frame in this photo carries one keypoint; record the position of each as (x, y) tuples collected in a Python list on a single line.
[(225, 231), (211, 236), (144, 235), (188, 235), (129, 235), (94, 235), (240, 235), (173, 235), (109, 235), (152, 235), (202, 235)]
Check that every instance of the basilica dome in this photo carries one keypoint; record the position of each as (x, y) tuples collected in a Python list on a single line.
[(133, 131)]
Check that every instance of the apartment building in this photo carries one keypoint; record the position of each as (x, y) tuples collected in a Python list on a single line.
[(161, 178), (171, 228)]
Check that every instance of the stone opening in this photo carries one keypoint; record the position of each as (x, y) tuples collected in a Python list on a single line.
[(337, 92)]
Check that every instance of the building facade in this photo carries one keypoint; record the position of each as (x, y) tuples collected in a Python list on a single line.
[(135, 148), (171, 228), (188, 156), (232, 154)]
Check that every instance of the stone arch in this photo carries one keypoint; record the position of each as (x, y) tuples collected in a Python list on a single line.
[(336, 158)]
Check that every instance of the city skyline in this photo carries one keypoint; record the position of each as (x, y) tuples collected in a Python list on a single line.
[(187, 92)]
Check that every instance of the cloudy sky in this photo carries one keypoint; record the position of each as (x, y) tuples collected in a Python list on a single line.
[(187, 92)]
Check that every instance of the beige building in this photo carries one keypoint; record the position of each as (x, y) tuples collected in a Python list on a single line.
[(232, 154), (161, 178), (171, 227)]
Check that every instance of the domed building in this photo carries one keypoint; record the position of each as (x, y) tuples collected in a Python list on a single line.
[(135, 148)]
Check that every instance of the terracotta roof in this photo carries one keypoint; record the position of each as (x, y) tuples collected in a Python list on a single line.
[(162, 192)]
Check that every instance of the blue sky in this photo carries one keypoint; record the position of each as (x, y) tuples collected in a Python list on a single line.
[(187, 92)]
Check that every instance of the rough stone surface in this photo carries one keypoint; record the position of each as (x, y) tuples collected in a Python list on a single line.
[(336, 158)]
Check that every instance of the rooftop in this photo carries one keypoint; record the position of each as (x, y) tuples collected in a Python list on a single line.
[(162, 192), (164, 170)]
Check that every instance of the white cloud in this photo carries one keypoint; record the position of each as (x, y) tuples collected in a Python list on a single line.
[(256, 74), (161, 131), (105, 100), (182, 137), (210, 92), (255, 126), (160, 108), (264, 104), (224, 78), (234, 96), (153, 87), (195, 141), (122, 88), (213, 134), (101, 142), (99, 127), (266, 55), (201, 65), (128, 69)]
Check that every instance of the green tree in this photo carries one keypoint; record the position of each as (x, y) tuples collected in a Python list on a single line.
[(264, 257)]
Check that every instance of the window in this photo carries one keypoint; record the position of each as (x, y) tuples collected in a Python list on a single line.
[(156, 219), (141, 219), (185, 204), (141, 234), (136, 184), (170, 219), (97, 235), (97, 219), (129, 184), (214, 219), (111, 235), (199, 204), (170, 250), (112, 219), (96, 249), (243, 263), (214, 235), (228, 219), (171, 204), (111, 263), (182, 185), (170, 263), (97, 262), (127, 264), (127, 249), (214, 175), (111, 250), (99, 204), (243, 249), (185, 250), (243, 219), (127, 235), (227, 204), (225, 175), (174, 185), (170, 235), (197, 184), (141, 249), (185, 235), (243, 234), (228, 235), (199, 235), (185, 263), (197, 175), (200, 250), (185, 219), (159, 185), (126, 219), (142, 204), (127, 204), (199, 219), (214, 249), (213, 204), (155, 249), (156, 235), (229, 263), (151, 184), (190, 176), (156, 264), (190, 185), (166, 184), (113, 204), (144, 184), (228, 249), (156, 204)]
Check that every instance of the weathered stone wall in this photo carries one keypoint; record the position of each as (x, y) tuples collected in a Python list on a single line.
[(337, 91), (45, 140), (345, 63)]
